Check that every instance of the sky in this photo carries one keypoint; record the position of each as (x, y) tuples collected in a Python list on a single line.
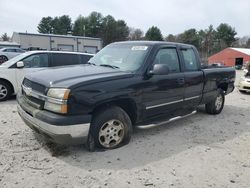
[(171, 16)]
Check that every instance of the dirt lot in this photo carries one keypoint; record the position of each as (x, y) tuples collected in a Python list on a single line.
[(199, 151)]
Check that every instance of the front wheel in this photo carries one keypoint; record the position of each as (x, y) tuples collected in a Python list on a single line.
[(5, 91), (216, 106), (111, 128)]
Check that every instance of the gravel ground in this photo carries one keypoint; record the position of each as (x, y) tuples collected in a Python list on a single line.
[(199, 151)]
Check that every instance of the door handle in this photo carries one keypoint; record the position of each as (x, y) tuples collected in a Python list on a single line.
[(181, 81)]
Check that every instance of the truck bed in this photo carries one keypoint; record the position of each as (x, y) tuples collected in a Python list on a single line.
[(215, 77)]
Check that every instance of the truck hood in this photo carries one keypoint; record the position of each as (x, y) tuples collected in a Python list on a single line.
[(67, 77)]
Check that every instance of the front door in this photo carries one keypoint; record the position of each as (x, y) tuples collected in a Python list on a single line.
[(164, 93), (32, 63)]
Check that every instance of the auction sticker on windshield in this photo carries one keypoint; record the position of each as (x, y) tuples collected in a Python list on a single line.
[(143, 48)]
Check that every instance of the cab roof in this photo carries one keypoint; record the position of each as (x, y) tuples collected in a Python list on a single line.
[(153, 43)]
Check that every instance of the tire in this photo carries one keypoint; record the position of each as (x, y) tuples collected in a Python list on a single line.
[(111, 128), (3, 59), (216, 106), (5, 91)]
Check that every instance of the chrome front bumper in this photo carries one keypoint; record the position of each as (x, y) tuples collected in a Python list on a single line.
[(62, 134)]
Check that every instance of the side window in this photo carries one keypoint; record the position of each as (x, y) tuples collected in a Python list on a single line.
[(10, 50), (190, 60), (60, 59), (85, 58), (169, 57), (19, 50), (36, 61)]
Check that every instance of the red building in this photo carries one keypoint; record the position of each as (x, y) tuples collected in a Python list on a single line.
[(231, 57)]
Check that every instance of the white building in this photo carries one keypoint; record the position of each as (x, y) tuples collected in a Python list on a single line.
[(57, 42)]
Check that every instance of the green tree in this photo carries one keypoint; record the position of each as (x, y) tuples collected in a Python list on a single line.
[(207, 41), (94, 21), (190, 36), (45, 25), (171, 38), (121, 30), (248, 43), (225, 34), (112, 30), (57, 25), (154, 33), (62, 25), (79, 28), (5, 37), (108, 29), (88, 26)]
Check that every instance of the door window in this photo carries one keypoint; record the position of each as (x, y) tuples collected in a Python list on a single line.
[(60, 59), (85, 58), (36, 61), (169, 57), (190, 60), (10, 50), (19, 51)]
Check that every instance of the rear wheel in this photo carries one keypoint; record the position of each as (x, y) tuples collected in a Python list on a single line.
[(111, 128), (5, 91), (3, 59), (216, 106)]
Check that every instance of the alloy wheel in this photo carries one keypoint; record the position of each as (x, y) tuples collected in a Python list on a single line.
[(218, 102), (3, 91), (111, 133)]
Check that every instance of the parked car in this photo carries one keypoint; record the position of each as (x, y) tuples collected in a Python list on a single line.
[(13, 71), (8, 53), (238, 67), (217, 64), (126, 84), (244, 83)]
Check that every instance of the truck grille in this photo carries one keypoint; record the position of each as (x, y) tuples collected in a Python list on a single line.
[(35, 86), (35, 102)]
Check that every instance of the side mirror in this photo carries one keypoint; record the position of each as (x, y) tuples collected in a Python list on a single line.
[(159, 69), (20, 64)]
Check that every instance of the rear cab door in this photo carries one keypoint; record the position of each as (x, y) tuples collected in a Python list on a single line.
[(194, 77)]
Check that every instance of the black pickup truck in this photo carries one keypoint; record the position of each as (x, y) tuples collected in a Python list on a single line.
[(126, 84)]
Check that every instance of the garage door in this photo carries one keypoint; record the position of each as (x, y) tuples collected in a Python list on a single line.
[(64, 47), (90, 49)]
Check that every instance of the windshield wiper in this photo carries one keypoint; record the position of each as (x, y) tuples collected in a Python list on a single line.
[(111, 66)]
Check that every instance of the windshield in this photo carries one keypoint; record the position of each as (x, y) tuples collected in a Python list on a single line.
[(126, 57), (15, 59)]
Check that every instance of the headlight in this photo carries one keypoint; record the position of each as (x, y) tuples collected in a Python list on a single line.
[(58, 93), (57, 100)]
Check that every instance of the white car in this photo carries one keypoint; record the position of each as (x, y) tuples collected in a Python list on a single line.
[(8, 53), (13, 71), (244, 84)]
